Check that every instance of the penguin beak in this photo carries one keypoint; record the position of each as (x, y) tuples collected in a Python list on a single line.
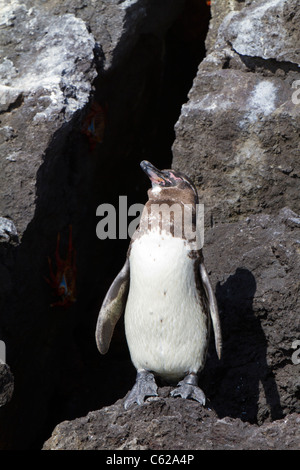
[(156, 176)]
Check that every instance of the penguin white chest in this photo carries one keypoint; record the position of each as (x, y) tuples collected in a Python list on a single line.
[(165, 322)]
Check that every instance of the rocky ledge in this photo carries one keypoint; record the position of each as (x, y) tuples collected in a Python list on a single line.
[(166, 423)]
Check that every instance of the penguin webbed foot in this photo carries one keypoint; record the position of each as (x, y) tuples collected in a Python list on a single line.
[(145, 386), (188, 388)]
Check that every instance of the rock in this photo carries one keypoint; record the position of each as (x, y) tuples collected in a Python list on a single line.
[(274, 22), (6, 383), (236, 138), (51, 56), (118, 24), (218, 11), (237, 134), (253, 392), (50, 61), (8, 231), (168, 424)]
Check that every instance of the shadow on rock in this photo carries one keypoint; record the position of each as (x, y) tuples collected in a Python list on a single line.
[(243, 377)]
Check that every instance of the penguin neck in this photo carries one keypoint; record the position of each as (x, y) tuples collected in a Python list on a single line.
[(169, 211), (170, 196)]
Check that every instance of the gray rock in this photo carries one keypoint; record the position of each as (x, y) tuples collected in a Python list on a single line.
[(168, 424), (218, 12), (46, 75), (6, 384), (254, 267)]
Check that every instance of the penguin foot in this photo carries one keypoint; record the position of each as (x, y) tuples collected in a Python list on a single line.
[(188, 388), (145, 386)]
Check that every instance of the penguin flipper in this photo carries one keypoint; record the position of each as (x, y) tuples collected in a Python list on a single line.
[(213, 308), (112, 308)]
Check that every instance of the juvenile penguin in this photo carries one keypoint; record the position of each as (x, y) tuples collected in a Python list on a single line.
[(166, 294)]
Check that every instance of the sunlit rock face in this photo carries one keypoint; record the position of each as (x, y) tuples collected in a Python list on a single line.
[(47, 70), (238, 139)]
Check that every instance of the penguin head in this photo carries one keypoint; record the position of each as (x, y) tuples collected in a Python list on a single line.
[(169, 184)]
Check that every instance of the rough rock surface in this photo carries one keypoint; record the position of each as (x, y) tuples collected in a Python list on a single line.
[(279, 20), (6, 383), (50, 59), (254, 267), (237, 137), (168, 423), (219, 9), (8, 231), (238, 134)]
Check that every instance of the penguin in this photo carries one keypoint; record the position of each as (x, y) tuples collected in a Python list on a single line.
[(165, 292)]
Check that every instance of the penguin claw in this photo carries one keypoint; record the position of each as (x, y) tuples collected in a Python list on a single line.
[(186, 389), (145, 386)]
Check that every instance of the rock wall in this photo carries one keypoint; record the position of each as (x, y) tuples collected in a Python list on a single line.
[(66, 66), (165, 424), (254, 265)]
